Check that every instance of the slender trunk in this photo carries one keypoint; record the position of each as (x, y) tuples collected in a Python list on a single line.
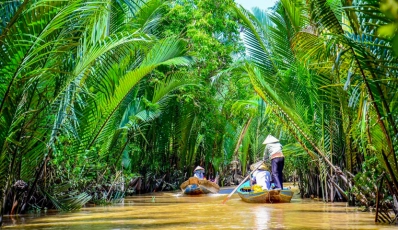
[(331, 190), (37, 177), (326, 190), (378, 198), (338, 188), (389, 169), (242, 135)]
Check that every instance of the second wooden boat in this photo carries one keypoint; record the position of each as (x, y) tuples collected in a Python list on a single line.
[(247, 194), (195, 186)]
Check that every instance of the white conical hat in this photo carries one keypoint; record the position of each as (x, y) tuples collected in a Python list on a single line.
[(198, 168), (270, 139)]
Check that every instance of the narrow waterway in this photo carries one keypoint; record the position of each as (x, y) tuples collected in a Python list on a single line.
[(167, 210)]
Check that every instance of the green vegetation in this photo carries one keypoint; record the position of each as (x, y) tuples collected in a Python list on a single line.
[(97, 96)]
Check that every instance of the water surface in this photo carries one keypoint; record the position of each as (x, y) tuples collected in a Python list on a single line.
[(168, 210)]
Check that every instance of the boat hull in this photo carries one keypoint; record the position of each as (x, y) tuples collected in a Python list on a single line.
[(266, 196), (194, 189), (194, 186)]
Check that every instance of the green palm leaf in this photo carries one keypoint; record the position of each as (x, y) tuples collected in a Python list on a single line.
[(166, 52)]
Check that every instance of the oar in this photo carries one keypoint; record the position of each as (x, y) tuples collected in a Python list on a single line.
[(244, 180)]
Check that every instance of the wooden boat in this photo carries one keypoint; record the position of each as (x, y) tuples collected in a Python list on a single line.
[(195, 186), (247, 194)]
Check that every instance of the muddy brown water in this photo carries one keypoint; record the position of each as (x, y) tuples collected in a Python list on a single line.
[(171, 210)]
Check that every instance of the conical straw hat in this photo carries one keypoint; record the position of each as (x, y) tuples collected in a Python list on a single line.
[(256, 166), (270, 139), (263, 167), (198, 168)]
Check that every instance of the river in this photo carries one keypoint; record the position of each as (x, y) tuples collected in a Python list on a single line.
[(171, 210)]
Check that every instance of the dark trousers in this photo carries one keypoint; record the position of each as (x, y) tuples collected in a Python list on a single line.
[(277, 168)]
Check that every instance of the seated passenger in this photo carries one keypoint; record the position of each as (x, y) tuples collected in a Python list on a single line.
[(262, 177), (198, 173)]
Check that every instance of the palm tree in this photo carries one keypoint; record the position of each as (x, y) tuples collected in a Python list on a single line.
[(70, 69), (302, 63)]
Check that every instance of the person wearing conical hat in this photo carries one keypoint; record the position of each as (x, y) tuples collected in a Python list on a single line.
[(273, 151), (198, 172), (262, 177)]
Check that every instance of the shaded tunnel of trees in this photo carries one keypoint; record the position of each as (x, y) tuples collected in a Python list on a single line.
[(102, 99)]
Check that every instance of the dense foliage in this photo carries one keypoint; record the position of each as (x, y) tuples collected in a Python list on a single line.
[(330, 79), (96, 96)]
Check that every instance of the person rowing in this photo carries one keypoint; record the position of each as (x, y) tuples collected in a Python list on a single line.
[(273, 151)]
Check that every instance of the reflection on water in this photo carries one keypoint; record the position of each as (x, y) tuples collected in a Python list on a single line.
[(262, 217), (173, 211)]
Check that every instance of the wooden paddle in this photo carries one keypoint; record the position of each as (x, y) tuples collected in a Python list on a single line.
[(244, 180)]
